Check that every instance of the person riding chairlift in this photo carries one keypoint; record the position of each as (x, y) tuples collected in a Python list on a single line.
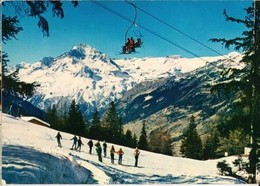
[(138, 43), (130, 46), (125, 48)]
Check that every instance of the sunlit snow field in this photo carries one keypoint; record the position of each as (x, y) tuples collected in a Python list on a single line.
[(30, 155)]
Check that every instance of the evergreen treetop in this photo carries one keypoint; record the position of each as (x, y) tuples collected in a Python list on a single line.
[(96, 131), (248, 77), (76, 123), (96, 119), (143, 144), (191, 145), (112, 125)]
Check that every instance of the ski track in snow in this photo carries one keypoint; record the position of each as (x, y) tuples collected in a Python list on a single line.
[(31, 155)]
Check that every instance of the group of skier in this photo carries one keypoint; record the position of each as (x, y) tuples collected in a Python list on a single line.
[(77, 143), (120, 153)]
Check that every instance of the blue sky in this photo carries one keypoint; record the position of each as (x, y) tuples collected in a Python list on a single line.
[(92, 25)]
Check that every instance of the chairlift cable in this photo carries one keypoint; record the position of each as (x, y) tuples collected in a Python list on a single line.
[(148, 30), (161, 37), (181, 32), (178, 30), (133, 23)]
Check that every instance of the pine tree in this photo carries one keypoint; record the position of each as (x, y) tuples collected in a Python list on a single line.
[(167, 144), (155, 141), (248, 81), (112, 125), (143, 144), (119, 132), (234, 143), (129, 139), (13, 86), (236, 119), (211, 144), (191, 145), (76, 124), (96, 119), (96, 131), (238, 162), (35, 9), (52, 117), (10, 27), (135, 141)]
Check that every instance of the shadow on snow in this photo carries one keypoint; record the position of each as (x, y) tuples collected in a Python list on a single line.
[(24, 165), (123, 177)]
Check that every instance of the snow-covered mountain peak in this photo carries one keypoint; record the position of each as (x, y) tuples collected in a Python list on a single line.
[(231, 60), (84, 51), (81, 46), (233, 54), (93, 79), (20, 66), (47, 61)]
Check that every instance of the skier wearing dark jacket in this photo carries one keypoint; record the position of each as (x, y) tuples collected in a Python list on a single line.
[(75, 139), (79, 144), (58, 136), (90, 144), (99, 151), (136, 153)]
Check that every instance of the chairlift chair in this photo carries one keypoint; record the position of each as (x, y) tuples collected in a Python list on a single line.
[(130, 45)]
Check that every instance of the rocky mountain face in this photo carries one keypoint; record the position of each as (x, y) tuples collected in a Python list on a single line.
[(170, 103), (93, 79)]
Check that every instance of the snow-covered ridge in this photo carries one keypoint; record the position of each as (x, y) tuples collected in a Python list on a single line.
[(93, 79), (83, 51), (31, 156)]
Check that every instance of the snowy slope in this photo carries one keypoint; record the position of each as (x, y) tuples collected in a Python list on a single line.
[(93, 79), (31, 155)]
